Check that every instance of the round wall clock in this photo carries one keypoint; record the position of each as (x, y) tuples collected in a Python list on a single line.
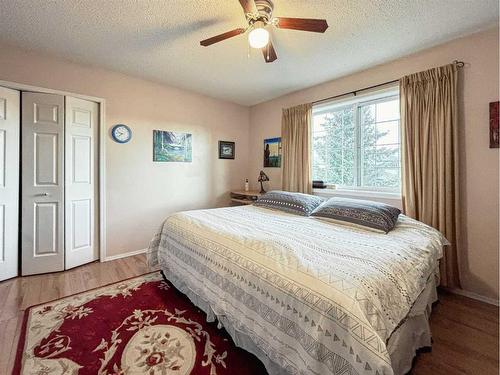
[(121, 133)]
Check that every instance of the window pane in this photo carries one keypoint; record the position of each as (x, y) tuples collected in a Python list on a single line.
[(387, 156), (319, 157), (369, 166), (381, 177), (334, 153), (376, 160), (388, 111), (388, 133), (388, 177), (319, 172), (380, 144), (368, 114), (368, 134), (319, 150), (318, 121)]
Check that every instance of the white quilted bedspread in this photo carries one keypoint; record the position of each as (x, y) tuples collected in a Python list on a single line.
[(315, 296)]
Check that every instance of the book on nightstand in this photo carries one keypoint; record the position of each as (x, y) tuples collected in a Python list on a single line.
[(244, 197)]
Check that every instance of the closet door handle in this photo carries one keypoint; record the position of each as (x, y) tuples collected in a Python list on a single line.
[(42, 195)]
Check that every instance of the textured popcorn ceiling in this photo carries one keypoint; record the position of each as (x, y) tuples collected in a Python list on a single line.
[(159, 40)]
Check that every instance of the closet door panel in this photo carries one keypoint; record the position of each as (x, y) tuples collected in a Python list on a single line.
[(9, 181), (82, 160), (42, 183), (45, 158), (3, 157), (82, 118), (45, 224)]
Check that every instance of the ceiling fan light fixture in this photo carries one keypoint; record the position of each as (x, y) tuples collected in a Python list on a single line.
[(258, 37), (260, 18)]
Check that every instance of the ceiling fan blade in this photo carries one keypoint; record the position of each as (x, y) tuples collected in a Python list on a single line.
[(221, 37), (248, 6), (269, 53), (303, 24)]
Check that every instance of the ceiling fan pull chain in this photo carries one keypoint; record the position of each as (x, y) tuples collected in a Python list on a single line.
[(268, 45)]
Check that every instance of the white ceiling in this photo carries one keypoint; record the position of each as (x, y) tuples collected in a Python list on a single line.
[(159, 40)]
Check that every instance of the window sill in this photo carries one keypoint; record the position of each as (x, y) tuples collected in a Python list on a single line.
[(357, 193)]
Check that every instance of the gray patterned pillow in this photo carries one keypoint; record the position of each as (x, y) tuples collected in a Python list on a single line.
[(366, 213), (295, 203)]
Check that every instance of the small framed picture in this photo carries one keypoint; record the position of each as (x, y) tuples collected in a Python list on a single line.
[(226, 150), (272, 153)]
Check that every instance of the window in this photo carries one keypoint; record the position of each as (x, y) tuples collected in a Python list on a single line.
[(356, 142)]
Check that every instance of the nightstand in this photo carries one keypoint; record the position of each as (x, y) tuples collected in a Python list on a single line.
[(244, 197)]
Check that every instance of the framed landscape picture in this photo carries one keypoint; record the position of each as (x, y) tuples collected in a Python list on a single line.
[(172, 146), (495, 125), (226, 150), (272, 153)]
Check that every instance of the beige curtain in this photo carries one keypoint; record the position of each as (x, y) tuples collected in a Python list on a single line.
[(430, 157), (296, 147)]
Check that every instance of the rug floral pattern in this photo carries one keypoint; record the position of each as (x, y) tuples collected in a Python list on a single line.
[(138, 326)]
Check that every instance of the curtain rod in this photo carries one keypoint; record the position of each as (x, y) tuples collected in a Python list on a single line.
[(459, 64)]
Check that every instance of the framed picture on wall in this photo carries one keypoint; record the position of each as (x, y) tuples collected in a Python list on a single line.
[(172, 146), (226, 150), (272, 153), (495, 125)]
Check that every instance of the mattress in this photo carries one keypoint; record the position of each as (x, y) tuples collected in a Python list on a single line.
[(305, 295)]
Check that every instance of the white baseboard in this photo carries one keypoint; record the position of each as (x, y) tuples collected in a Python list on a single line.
[(475, 296), (124, 255)]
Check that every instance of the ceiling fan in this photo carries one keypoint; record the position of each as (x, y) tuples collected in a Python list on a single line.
[(259, 15)]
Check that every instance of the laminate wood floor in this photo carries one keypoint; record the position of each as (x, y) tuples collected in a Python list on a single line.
[(465, 331)]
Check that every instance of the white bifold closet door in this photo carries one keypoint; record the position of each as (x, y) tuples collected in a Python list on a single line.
[(9, 182), (42, 217), (81, 204), (58, 182)]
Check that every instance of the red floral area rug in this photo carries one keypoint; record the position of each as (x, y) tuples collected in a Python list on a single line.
[(138, 326)]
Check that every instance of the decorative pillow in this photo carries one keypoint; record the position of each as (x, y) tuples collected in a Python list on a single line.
[(367, 213), (295, 203), (348, 225)]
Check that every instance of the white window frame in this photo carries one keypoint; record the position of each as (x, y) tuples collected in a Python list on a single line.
[(372, 97)]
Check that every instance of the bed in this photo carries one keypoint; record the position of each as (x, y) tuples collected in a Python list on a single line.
[(306, 296)]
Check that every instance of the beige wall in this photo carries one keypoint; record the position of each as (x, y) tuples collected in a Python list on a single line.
[(480, 164), (140, 193)]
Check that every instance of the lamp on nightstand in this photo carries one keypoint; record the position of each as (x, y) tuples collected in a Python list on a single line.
[(262, 177)]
